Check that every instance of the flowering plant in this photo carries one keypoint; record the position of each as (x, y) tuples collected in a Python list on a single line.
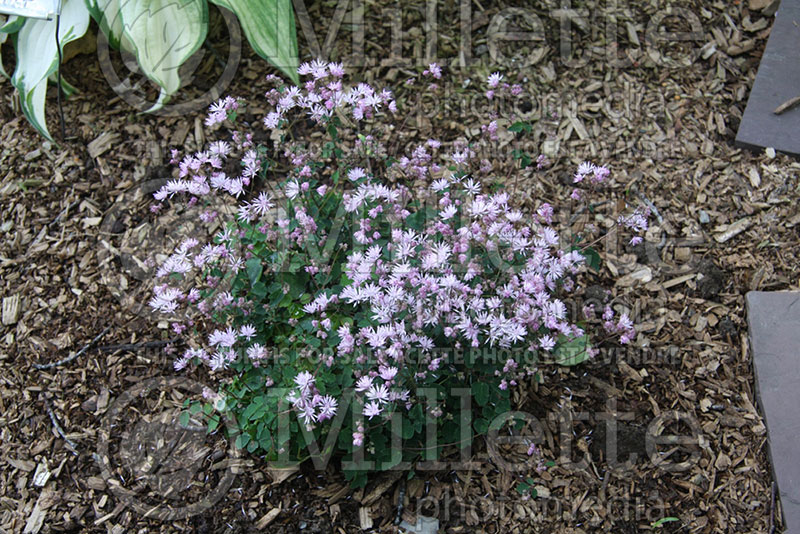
[(353, 309)]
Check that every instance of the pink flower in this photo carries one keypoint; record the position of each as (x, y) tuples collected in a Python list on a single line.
[(304, 380), (356, 174), (372, 409), (547, 343), (433, 70), (364, 383)]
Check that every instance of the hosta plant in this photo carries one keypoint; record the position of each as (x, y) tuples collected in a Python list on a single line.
[(379, 305), (161, 34)]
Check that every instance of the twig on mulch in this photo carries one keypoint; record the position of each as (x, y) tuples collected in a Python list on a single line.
[(652, 207), (74, 356), (64, 212), (772, 510), (59, 429), (590, 207), (137, 346), (401, 495), (786, 106)]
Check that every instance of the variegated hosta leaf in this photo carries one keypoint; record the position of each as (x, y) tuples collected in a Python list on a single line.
[(8, 24), (106, 13), (37, 57), (163, 34), (66, 87), (270, 28)]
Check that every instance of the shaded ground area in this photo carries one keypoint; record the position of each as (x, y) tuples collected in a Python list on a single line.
[(75, 234)]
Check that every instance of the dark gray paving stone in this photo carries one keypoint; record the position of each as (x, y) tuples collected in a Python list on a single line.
[(777, 81), (774, 321)]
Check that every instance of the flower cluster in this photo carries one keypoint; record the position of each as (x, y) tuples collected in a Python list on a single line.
[(381, 277), (637, 222)]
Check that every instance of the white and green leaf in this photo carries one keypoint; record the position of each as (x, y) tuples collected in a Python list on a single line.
[(9, 24), (107, 15), (37, 57), (270, 28), (163, 34), (66, 87)]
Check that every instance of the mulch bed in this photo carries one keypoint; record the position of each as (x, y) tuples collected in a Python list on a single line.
[(75, 233)]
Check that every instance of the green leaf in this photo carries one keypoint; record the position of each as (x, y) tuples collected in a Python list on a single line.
[(572, 352), (660, 522), (520, 126), (254, 270), (481, 426), (270, 29), (213, 423), (164, 34), (183, 419), (242, 440), (259, 290), (592, 258), (480, 390), (37, 57), (408, 429)]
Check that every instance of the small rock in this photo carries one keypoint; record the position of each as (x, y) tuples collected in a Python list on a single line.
[(90, 404), (423, 525), (597, 293), (682, 254), (646, 253), (758, 5), (704, 218), (723, 462), (96, 483), (712, 281), (728, 327), (102, 399)]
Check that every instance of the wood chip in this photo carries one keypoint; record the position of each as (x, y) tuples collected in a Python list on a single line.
[(268, 518), (381, 487), (641, 275), (365, 520), (679, 280), (755, 178), (732, 230), (786, 106), (10, 310), (101, 144), (278, 475), (42, 474)]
